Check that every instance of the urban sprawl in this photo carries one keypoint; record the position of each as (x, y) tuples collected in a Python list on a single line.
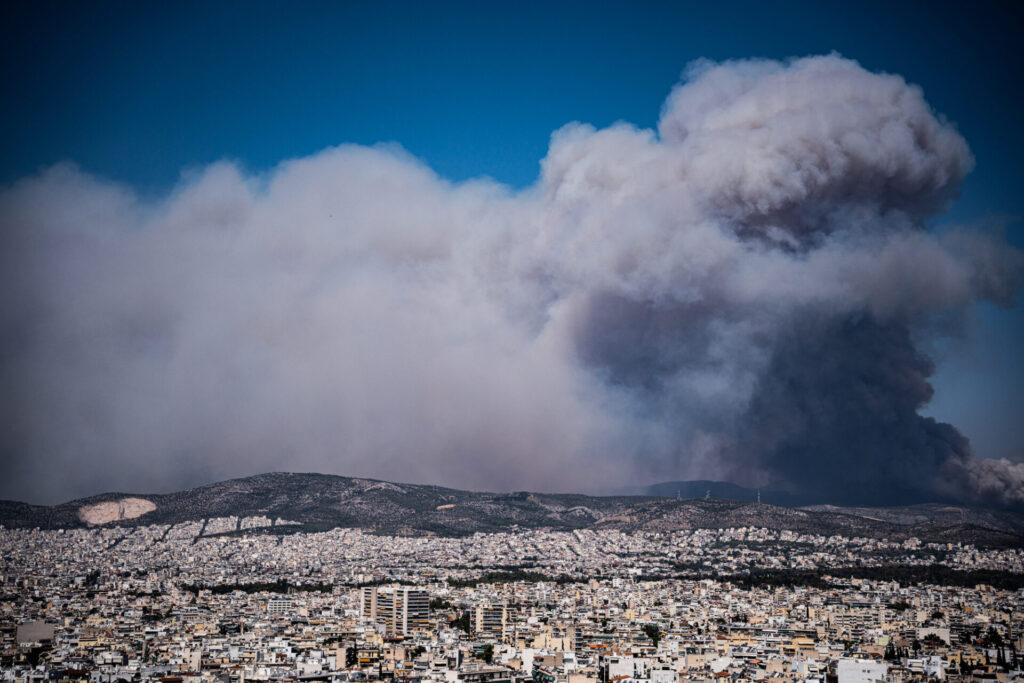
[(231, 600)]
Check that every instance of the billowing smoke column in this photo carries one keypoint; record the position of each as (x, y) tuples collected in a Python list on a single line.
[(736, 296)]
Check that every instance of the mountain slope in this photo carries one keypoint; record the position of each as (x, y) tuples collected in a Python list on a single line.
[(310, 502)]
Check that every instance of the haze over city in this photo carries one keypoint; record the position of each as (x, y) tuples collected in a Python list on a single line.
[(554, 247)]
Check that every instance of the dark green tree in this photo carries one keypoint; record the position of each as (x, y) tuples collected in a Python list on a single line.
[(463, 622), (653, 632)]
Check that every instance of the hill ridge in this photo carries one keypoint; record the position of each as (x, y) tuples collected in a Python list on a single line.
[(315, 501)]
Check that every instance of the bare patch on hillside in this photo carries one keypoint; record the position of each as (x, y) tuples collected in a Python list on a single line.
[(115, 510)]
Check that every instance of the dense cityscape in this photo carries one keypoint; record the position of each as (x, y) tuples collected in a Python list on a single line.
[(235, 599)]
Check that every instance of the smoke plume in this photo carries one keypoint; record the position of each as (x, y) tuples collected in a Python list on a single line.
[(738, 295)]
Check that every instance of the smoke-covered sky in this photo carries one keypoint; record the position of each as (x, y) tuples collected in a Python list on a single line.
[(755, 283)]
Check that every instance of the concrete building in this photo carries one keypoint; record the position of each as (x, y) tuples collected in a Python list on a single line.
[(399, 610), (279, 606), (368, 603), (491, 619), (861, 670)]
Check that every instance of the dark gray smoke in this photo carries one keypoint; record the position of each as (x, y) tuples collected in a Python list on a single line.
[(738, 295)]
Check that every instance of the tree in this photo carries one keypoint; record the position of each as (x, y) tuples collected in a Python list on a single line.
[(653, 632), (993, 638), (488, 653), (463, 622)]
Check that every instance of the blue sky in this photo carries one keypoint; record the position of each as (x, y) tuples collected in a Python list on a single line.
[(142, 92)]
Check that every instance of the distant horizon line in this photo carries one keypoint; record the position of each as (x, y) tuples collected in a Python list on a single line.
[(633, 491)]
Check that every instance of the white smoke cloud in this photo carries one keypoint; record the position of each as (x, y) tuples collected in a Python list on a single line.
[(642, 312)]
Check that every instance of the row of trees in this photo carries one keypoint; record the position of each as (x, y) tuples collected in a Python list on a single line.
[(905, 575), (279, 586), (510, 576)]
